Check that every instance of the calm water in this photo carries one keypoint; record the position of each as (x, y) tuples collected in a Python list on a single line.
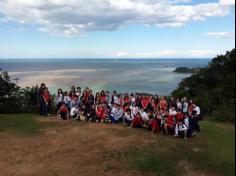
[(124, 75)]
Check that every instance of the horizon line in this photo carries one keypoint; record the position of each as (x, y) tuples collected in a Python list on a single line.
[(27, 58)]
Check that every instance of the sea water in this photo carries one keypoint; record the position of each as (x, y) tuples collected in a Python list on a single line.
[(153, 76)]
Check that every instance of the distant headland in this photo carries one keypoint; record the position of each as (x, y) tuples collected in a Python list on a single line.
[(187, 70)]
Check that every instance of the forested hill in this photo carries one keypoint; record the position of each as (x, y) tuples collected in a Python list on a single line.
[(213, 88)]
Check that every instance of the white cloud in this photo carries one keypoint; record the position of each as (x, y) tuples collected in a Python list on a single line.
[(227, 2), (164, 53), (224, 35), (77, 17)]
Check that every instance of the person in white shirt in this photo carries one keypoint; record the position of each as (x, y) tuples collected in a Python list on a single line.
[(67, 100), (179, 104), (185, 105), (59, 98), (75, 113), (197, 109), (116, 114), (128, 117), (134, 110), (173, 111), (144, 116), (181, 127)]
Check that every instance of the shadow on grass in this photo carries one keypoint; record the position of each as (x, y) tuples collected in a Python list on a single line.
[(22, 123)]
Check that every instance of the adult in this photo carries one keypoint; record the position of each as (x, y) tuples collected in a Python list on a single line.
[(40, 99)]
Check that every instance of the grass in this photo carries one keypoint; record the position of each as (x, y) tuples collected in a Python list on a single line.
[(21, 123), (211, 152)]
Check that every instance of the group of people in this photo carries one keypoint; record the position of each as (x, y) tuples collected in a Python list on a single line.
[(175, 116)]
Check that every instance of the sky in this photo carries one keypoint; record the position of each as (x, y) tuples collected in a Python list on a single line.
[(116, 28)]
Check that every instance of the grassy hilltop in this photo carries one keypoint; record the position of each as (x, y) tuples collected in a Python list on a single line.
[(46, 146)]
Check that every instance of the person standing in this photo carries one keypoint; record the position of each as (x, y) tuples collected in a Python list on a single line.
[(40, 99), (47, 101)]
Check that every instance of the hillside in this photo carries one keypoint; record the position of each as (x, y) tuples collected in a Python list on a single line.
[(213, 88), (48, 146)]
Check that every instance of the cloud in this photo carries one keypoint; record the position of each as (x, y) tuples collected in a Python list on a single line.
[(164, 53), (77, 17), (223, 35), (227, 3)]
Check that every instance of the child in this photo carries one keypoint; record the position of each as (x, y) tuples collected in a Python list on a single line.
[(128, 117), (67, 100), (181, 127), (63, 112), (47, 101), (103, 97), (91, 114), (116, 114), (163, 104), (153, 125), (137, 122), (101, 113), (75, 112), (59, 98), (134, 110), (126, 99), (169, 123), (145, 117)]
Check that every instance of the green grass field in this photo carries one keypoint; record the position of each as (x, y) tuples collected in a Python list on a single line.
[(21, 123), (212, 151)]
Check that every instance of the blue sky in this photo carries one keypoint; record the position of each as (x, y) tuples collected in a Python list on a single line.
[(116, 29)]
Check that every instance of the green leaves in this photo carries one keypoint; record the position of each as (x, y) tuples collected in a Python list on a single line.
[(213, 87)]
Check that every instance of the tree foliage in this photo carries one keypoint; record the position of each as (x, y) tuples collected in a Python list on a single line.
[(213, 88), (14, 99)]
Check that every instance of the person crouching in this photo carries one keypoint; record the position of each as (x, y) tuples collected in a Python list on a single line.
[(63, 112), (181, 127), (75, 112)]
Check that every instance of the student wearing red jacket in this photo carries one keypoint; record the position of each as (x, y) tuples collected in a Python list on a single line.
[(126, 99), (154, 126), (137, 122), (101, 113), (63, 112), (163, 105), (180, 116), (169, 123), (103, 96)]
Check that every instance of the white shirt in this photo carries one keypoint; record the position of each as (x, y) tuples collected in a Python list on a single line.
[(173, 112), (134, 110), (74, 111), (185, 107), (59, 98), (197, 109), (67, 99), (128, 117), (144, 115), (179, 105)]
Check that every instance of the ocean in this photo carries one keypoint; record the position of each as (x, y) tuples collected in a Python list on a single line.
[(153, 76)]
